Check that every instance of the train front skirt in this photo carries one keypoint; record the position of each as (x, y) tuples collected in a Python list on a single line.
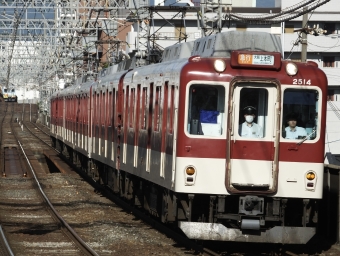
[(218, 232)]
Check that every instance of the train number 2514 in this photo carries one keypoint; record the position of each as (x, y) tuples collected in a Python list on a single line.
[(302, 81)]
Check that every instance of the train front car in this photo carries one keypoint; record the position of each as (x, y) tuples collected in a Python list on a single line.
[(12, 95), (5, 94), (250, 144)]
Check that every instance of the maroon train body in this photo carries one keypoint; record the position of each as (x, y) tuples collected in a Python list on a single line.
[(168, 137)]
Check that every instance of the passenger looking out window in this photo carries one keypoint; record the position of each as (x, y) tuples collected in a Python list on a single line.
[(249, 128), (292, 130), (300, 114)]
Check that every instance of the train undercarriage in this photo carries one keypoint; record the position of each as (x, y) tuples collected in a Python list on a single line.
[(243, 218)]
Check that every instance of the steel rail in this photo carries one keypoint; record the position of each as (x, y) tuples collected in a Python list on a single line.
[(65, 224), (84, 247), (3, 237), (39, 137)]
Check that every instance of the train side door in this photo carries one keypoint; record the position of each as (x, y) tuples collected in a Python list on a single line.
[(253, 137)]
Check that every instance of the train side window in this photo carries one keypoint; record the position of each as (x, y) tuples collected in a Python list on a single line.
[(300, 114), (253, 112), (206, 110)]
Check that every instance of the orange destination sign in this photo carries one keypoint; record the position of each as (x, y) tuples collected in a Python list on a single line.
[(255, 59)]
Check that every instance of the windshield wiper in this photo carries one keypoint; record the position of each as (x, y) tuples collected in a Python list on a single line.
[(306, 138)]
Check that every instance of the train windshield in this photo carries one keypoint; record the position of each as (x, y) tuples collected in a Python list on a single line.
[(300, 114), (206, 110)]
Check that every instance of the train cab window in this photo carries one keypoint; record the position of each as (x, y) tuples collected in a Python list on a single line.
[(253, 114), (206, 110), (300, 114)]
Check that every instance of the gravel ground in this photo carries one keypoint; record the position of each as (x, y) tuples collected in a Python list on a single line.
[(109, 230), (102, 224), (29, 228)]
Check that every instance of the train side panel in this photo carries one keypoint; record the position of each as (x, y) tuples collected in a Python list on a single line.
[(149, 132)]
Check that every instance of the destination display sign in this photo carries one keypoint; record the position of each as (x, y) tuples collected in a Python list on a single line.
[(255, 59)]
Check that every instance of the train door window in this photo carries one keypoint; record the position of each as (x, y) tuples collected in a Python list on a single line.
[(132, 108), (103, 108), (96, 110), (138, 107), (86, 110), (150, 111), (172, 110), (253, 112), (113, 107), (300, 114), (157, 108), (165, 109), (116, 108), (109, 116), (126, 110), (206, 110), (144, 108)]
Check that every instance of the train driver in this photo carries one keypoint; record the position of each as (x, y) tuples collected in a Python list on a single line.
[(292, 130), (249, 128)]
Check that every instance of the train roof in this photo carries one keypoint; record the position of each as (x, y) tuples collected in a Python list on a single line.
[(222, 44), (178, 51), (157, 72), (217, 45)]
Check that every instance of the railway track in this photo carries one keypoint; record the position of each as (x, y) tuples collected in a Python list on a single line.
[(104, 226), (108, 228), (16, 166)]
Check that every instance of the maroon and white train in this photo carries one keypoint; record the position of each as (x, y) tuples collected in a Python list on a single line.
[(166, 136)]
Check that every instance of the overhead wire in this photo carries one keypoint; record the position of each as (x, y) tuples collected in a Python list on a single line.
[(17, 19), (301, 31), (236, 17)]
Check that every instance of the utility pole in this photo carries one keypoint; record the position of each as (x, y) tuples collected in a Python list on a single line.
[(304, 37)]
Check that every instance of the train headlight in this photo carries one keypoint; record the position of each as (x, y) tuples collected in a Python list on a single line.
[(190, 175), (310, 175), (219, 65), (291, 69)]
